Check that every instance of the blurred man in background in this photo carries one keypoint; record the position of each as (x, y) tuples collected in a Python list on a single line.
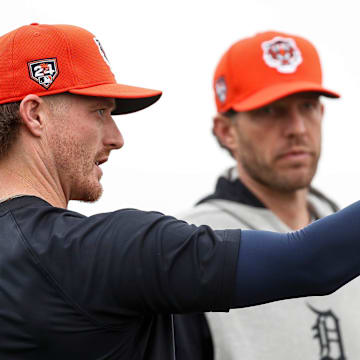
[(267, 91)]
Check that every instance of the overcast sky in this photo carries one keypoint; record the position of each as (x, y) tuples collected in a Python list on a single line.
[(170, 158)]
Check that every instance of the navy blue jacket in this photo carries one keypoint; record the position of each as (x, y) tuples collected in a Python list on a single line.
[(105, 286)]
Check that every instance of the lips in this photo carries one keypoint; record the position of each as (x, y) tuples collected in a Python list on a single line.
[(295, 152), (101, 161), (299, 157), (98, 163)]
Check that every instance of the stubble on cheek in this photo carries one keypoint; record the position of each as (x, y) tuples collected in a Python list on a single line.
[(75, 163), (266, 170)]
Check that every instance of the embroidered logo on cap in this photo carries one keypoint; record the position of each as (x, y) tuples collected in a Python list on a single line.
[(221, 89), (282, 54), (43, 71), (102, 51)]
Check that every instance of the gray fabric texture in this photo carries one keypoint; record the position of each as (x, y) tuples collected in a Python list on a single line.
[(312, 328)]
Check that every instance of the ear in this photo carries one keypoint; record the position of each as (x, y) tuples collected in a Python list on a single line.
[(32, 112), (224, 130)]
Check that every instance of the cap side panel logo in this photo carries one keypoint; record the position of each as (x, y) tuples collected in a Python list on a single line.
[(221, 89), (102, 51), (282, 54), (43, 71)]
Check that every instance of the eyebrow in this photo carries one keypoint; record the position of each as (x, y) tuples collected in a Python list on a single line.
[(105, 103)]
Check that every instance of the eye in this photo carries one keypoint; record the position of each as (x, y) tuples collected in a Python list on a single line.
[(266, 111), (101, 112), (310, 105)]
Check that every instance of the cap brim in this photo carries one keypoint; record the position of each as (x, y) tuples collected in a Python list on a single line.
[(278, 91), (128, 99)]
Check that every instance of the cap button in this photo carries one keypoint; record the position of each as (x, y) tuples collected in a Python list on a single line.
[(34, 24)]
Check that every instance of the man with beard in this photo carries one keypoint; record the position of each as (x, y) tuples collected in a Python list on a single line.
[(267, 91), (106, 286)]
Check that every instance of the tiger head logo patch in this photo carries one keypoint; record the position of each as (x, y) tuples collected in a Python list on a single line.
[(282, 54)]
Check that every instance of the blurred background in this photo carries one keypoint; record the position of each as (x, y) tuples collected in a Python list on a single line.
[(170, 158)]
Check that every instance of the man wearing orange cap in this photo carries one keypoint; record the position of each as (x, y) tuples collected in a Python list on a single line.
[(267, 90), (106, 286)]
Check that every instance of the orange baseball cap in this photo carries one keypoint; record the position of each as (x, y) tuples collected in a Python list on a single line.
[(266, 67), (52, 59)]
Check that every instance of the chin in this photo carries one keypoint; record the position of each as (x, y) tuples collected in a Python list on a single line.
[(298, 182), (94, 195), (91, 198), (89, 193)]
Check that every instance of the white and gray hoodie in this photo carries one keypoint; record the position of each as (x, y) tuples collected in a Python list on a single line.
[(312, 328)]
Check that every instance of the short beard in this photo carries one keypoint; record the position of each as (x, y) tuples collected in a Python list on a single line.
[(90, 194), (273, 179), (72, 160), (281, 180)]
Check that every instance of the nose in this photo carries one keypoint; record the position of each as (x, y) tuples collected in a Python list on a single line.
[(295, 124), (113, 138)]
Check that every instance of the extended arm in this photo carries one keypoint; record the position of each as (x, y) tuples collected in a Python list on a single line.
[(146, 262), (316, 260)]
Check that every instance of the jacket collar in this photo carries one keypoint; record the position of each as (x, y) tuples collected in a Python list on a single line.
[(229, 187)]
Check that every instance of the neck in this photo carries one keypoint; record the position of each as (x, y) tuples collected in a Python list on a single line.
[(290, 207), (19, 176)]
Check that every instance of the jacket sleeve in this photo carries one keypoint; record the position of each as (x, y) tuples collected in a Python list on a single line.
[(316, 260), (131, 261), (171, 266)]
